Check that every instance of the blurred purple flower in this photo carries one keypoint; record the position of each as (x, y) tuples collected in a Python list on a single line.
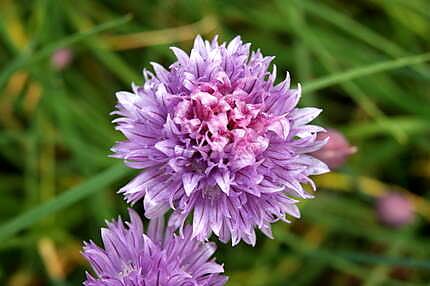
[(336, 151), (132, 258), (61, 58), (219, 140), (394, 210)]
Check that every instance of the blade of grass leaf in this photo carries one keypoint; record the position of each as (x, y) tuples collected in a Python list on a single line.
[(100, 50), (408, 125), (352, 27), (67, 198), (90, 155), (6, 40), (358, 72), (304, 65), (384, 260), (329, 62), (385, 88), (379, 274), (343, 258), (416, 6), (356, 229), (163, 36), (304, 248), (28, 58), (357, 30)]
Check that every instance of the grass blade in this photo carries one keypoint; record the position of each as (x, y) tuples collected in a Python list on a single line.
[(355, 73), (352, 27), (408, 125), (345, 257), (75, 194), (30, 58)]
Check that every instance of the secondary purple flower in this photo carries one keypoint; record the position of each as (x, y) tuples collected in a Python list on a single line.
[(336, 151), (394, 210), (132, 258), (61, 58), (218, 140)]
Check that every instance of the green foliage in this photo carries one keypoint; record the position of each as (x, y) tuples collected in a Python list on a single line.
[(363, 62)]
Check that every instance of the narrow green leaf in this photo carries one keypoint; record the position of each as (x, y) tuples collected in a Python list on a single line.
[(344, 257), (353, 27), (30, 58), (357, 30), (383, 260), (408, 125), (75, 194), (355, 73), (110, 59)]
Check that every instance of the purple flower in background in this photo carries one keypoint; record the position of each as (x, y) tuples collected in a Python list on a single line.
[(219, 140), (336, 151), (61, 58), (394, 210), (132, 258)]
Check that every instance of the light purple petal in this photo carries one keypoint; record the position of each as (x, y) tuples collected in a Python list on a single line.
[(220, 142)]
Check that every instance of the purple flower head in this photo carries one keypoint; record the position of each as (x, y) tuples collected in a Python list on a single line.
[(218, 140), (159, 257)]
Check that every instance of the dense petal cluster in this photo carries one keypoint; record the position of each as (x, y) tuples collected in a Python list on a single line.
[(219, 141), (159, 257)]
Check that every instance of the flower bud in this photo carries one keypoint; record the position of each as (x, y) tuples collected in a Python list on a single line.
[(394, 210), (61, 58), (336, 151)]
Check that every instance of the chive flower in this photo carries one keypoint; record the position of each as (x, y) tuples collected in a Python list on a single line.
[(131, 257), (219, 141)]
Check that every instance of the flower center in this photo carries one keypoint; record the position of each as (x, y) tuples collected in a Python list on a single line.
[(223, 123)]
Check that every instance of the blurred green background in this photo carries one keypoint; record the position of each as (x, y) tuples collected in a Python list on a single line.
[(57, 183)]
